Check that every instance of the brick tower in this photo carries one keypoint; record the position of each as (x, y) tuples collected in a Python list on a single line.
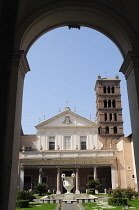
[(109, 110)]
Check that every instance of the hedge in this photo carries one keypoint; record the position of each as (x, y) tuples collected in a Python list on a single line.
[(22, 203), (25, 195), (117, 201)]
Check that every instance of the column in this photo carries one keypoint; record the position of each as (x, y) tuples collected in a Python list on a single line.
[(21, 177), (111, 104), (113, 177), (108, 117), (95, 172), (40, 176), (58, 181), (130, 68), (106, 89), (110, 89), (107, 103), (77, 181), (113, 117)]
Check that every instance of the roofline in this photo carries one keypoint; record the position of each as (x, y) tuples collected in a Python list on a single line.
[(64, 112)]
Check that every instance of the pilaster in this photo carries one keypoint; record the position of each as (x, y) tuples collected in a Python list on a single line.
[(12, 125), (130, 68), (113, 177)]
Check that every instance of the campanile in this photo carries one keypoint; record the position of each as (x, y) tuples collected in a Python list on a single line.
[(109, 109)]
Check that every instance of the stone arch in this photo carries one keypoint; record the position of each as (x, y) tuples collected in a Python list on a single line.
[(89, 14)]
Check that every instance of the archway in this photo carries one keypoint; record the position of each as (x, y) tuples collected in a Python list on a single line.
[(46, 17)]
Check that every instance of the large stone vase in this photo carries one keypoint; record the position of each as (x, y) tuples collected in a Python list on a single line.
[(68, 182)]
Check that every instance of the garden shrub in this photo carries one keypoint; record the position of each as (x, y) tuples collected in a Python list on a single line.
[(117, 193), (128, 193), (110, 192), (21, 195), (22, 203), (29, 196), (93, 185), (117, 201), (136, 194), (41, 188), (25, 195)]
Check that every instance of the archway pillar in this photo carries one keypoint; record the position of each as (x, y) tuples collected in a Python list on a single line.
[(130, 68), (12, 129)]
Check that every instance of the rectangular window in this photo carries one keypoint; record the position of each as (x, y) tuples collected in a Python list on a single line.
[(67, 142), (51, 143), (83, 142)]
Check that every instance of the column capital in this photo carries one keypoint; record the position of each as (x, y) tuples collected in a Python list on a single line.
[(20, 62), (77, 166), (131, 61)]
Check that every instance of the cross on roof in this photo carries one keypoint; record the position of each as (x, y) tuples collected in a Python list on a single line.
[(67, 102)]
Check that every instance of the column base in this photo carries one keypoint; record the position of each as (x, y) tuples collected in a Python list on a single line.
[(77, 192), (58, 192)]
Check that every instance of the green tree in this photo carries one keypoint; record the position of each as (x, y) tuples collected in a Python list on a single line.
[(93, 184), (41, 188)]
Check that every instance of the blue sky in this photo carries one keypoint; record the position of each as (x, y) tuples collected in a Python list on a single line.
[(64, 66)]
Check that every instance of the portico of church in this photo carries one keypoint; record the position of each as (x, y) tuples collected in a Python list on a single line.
[(30, 175)]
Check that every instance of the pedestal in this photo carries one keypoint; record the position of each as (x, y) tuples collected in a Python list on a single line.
[(68, 196)]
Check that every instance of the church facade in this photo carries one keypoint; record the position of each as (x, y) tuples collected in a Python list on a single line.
[(68, 143)]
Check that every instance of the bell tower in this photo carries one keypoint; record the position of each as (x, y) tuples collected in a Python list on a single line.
[(108, 108)]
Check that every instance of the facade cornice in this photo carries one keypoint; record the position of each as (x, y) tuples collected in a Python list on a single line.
[(109, 109), (111, 122), (107, 96), (112, 135), (29, 135), (109, 81), (62, 114), (69, 127)]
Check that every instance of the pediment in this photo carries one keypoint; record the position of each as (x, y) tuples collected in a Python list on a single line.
[(67, 119)]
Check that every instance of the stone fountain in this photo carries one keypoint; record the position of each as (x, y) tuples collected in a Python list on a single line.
[(68, 184)]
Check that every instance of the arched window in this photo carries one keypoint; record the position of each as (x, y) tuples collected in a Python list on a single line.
[(104, 89), (110, 117), (112, 89), (115, 130), (109, 103), (107, 130), (99, 130), (105, 117), (105, 103), (109, 90), (115, 116), (113, 103)]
